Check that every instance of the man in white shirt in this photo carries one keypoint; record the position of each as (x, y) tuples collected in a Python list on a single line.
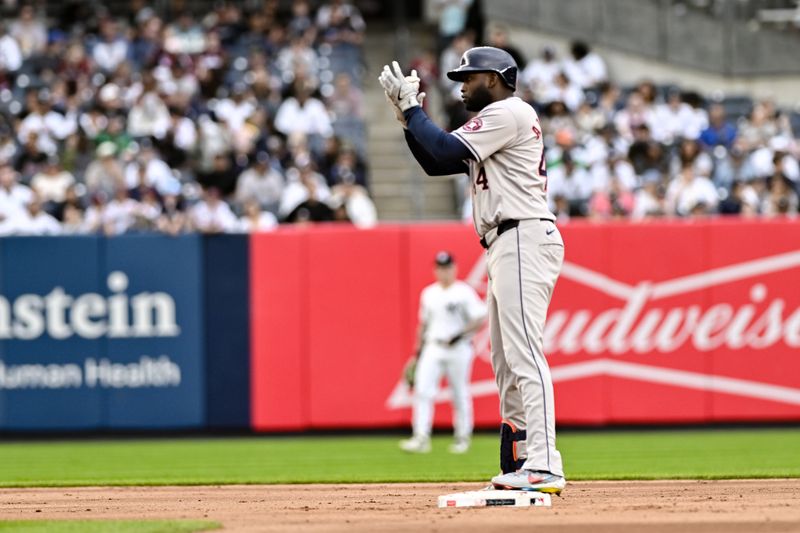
[(34, 221), (234, 111), (213, 215), (13, 195), (112, 48), (674, 120), (688, 192), (49, 125), (586, 68), (10, 54), (52, 182), (157, 173), (303, 114), (450, 311)]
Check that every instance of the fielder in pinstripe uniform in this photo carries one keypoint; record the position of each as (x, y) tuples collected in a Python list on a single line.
[(501, 149)]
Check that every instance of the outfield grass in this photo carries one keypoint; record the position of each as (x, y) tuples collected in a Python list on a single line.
[(708, 454), (107, 526)]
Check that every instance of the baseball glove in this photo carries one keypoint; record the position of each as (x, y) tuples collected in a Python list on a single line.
[(409, 371)]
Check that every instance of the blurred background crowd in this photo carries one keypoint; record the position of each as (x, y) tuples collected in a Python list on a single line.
[(161, 120), (253, 114), (642, 151)]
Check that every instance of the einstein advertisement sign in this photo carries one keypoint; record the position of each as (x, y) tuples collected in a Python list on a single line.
[(100, 333)]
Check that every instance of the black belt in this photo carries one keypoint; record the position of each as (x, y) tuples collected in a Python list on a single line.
[(502, 227)]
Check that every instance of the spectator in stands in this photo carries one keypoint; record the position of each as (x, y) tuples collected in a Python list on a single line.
[(690, 194), (452, 17), (299, 56), (563, 90), (741, 200), (302, 113), (781, 198), (36, 221), (340, 24), (635, 113), (691, 153), (645, 153), (221, 177), (571, 181), (539, 75), (30, 32), (757, 130), (345, 100), (236, 109), (10, 56), (649, 201), (149, 116), (731, 167), (303, 185), (212, 214), (173, 219), (112, 48), (185, 36), (148, 163), (256, 219), (148, 209), (586, 68), (105, 172), (352, 203), (719, 132), (51, 183), (72, 222), (14, 196), (262, 183), (48, 126), (8, 147), (674, 120), (613, 201), (607, 102), (347, 167), (119, 214)]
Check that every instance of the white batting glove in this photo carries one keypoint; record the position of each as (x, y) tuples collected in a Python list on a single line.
[(398, 113), (402, 92)]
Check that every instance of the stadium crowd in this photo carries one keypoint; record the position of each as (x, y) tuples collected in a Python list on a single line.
[(162, 121), (645, 151)]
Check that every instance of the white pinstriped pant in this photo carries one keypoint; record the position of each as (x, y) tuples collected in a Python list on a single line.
[(524, 264), (456, 363)]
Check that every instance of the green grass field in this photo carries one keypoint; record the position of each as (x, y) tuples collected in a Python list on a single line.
[(706, 454)]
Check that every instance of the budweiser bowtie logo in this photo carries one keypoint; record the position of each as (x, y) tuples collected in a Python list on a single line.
[(651, 319), (643, 326)]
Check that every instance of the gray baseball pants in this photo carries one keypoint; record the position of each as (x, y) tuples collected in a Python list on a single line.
[(524, 264)]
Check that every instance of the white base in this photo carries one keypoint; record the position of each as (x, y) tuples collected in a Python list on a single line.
[(496, 498)]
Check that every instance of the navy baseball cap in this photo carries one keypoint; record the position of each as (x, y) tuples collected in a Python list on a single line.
[(444, 259)]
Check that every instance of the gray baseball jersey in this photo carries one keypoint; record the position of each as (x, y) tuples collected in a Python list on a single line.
[(509, 179)]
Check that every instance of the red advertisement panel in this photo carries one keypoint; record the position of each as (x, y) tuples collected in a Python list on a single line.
[(669, 322), (278, 337), (356, 324)]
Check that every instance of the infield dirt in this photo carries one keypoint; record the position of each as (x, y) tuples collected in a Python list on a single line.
[(599, 506)]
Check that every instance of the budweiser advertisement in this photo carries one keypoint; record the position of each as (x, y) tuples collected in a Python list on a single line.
[(669, 322)]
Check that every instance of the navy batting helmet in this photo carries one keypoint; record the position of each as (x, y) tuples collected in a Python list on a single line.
[(487, 59)]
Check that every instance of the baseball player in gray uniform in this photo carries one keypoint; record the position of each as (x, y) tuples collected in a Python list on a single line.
[(501, 149)]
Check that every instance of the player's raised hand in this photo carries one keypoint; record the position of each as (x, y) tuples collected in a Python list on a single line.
[(401, 89), (398, 113)]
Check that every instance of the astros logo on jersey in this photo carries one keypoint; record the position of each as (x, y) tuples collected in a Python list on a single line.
[(473, 125)]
